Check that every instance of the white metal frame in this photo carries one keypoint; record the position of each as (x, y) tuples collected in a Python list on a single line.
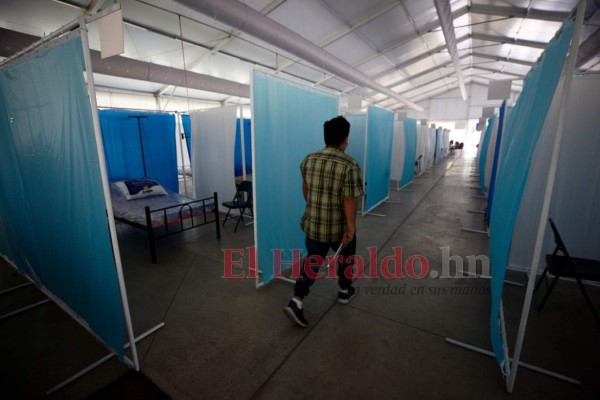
[(104, 174), (547, 194), (511, 366), (81, 24)]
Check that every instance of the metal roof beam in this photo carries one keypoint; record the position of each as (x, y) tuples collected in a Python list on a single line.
[(426, 28), (244, 18), (444, 76), (444, 12), (518, 12), (495, 71), (508, 40), (417, 58), (426, 95), (504, 59)]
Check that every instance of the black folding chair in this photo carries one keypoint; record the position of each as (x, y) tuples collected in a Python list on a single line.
[(242, 201), (566, 266)]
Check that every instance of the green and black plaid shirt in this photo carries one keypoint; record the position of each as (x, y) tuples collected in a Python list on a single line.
[(330, 175)]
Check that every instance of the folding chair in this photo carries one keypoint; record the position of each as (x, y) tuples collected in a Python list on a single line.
[(242, 201), (567, 266)]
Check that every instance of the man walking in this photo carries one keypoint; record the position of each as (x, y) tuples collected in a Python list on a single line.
[(331, 184)]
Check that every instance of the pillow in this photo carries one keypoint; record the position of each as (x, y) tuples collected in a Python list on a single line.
[(139, 188)]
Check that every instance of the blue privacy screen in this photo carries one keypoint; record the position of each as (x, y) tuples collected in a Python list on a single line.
[(287, 125)]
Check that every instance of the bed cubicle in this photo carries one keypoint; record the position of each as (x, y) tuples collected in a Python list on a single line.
[(142, 167)]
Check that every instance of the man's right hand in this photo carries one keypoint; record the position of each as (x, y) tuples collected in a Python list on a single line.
[(348, 237)]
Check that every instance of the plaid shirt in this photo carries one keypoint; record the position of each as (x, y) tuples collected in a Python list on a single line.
[(330, 175)]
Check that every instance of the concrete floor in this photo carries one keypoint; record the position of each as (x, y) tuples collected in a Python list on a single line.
[(224, 339)]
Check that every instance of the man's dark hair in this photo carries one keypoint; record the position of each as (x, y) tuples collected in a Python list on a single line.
[(336, 130)]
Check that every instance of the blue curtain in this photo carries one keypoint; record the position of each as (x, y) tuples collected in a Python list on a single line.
[(53, 224), (187, 131), (288, 124), (497, 152), (247, 130), (140, 144), (357, 140), (483, 152), (380, 134), (525, 125), (410, 151), (506, 134), (357, 144)]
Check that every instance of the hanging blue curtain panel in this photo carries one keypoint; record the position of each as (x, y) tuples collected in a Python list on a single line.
[(357, 140), (246, 128), (507, 137), (53, 224), (288, 125), (357, 145), (525, 124), (497, 152), (187, 131), (380, 134), (139, 144), (483, 152), (410, 151)]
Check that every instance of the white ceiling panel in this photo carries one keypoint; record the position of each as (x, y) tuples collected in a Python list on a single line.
[(247, 51), (392, 78), (436, 39), (308, 72), (421, 11), (431, 62), (339, 85), (224, 67), (421, 81), (555, 5), (352, 11), (525, 53), (350, 48), (495, 25), (384, 31), (375, 66), (491, 75), (35, 17), (408, 51), (539, 31), (309, 19), (434, 85)]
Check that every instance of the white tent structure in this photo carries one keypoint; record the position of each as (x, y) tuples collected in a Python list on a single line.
[(432, 59), (180, 56)]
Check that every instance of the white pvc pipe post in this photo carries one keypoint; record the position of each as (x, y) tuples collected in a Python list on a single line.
[(548, 194), (15, 288), (521, 363), (20, 310), (100, 361), (107, 199), (257, 282)]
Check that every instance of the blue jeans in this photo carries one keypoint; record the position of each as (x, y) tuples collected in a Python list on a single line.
[(314, 248)]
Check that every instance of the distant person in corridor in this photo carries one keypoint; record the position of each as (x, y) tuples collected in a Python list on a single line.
[(331, 183)]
